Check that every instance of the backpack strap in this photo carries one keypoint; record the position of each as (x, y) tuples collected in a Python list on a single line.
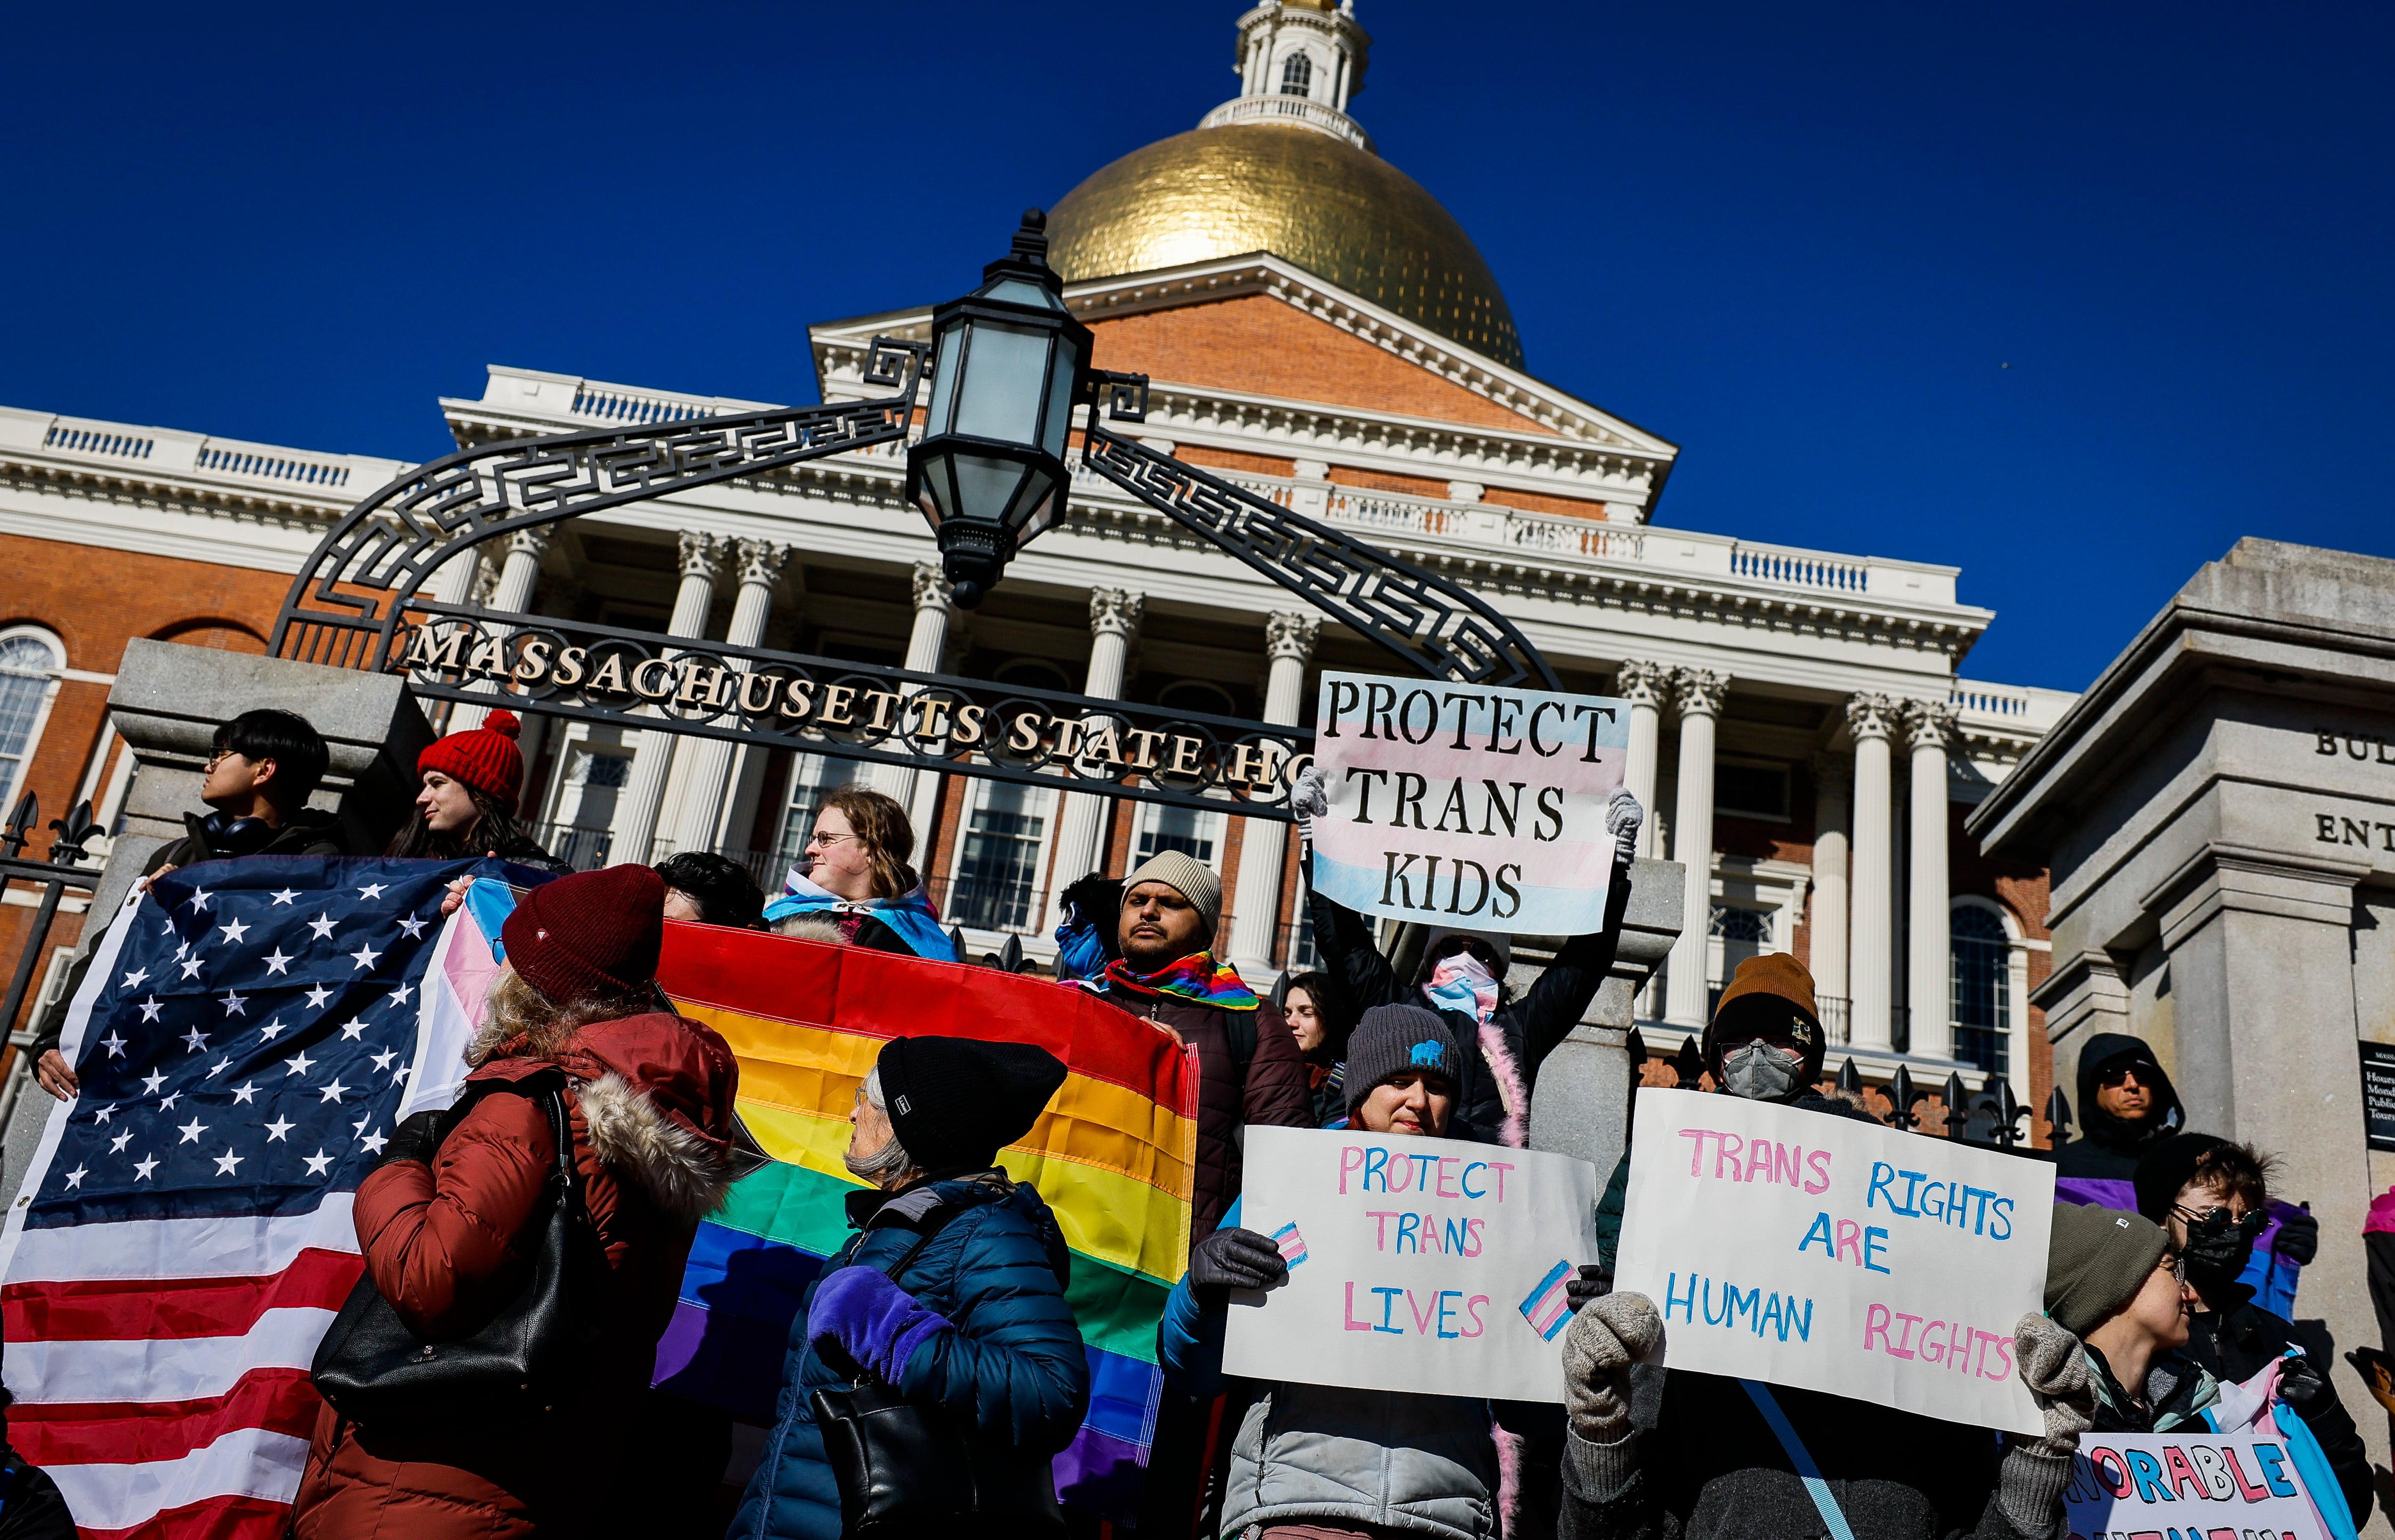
[(1806, 1472)]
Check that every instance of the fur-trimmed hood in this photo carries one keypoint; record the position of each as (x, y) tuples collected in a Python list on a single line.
[(657, 1094)]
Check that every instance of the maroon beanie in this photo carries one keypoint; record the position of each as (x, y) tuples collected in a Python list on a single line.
[(589, 934), (485, 757)]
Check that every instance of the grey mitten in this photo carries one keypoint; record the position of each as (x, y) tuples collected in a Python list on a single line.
[(1622, 817), (1604, 1339), (1309, 800), (2036, 1471)]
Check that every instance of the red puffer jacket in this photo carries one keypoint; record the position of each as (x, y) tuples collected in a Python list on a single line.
[(650, 1101)]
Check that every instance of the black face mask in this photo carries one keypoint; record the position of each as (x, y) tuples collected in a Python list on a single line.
[(2217, 1246)]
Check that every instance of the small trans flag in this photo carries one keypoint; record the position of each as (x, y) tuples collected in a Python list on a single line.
[(1293, 1245), (1547, 1308)]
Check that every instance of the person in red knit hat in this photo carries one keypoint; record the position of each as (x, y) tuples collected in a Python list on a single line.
[(445, 1223), (468, 806)]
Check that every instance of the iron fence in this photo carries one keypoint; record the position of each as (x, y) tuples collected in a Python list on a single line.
[(62, 869)]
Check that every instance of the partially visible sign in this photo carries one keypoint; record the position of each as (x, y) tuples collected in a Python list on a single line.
[(1482, 808), (2192, 1483), (1835, 1255), (2378, 1094), (1424, 1265)]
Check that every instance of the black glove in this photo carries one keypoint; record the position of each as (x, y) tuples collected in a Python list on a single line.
[(2298, 1239), (417, 1139), (2301, 1387), (1594, 1281), (1234, 1259)]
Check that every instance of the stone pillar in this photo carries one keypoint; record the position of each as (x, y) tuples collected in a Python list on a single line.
[(1833, 814), (1698, 692), (1255, 903), (1872, 978), (1115, 615), (1927, 724), (1643, 685), (635, 826), (917, 791), (513, 595), (707, 778), (1581, 1105)]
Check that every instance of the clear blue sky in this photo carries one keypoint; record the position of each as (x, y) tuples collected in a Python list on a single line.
[(1805, 243)]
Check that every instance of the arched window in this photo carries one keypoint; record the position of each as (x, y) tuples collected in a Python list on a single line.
[(1297, 76), (30, 660), (1735, 935), (1982, 987)]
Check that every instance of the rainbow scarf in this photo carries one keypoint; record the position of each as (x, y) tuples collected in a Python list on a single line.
[(1197, 976), (1113, 1156)]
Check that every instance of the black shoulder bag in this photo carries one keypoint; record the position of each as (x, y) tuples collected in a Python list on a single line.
[(906, 1470), (527, 1359)]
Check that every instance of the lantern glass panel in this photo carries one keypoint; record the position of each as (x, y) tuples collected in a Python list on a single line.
[(1046, 507), (999, 396), (944, 377), (985, 486), (1060, 399), (1022, 291)]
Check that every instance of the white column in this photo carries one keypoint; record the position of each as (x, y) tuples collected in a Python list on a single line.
[(634, 829), (1255, 901), (707, 778), (1698, 693), (1115, 615), (1871, 979), (1643, 685), (513, 595), (1833, 789), (916, 791), (1927, 724)]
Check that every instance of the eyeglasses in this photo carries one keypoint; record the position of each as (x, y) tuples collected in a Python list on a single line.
[(2174, 1263), (2251, 1222), (819, 837), (2113, 1078)]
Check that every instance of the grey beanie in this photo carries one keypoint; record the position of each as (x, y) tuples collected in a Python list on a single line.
[(2095, 1262), (1189, 876), (1391, 1039)]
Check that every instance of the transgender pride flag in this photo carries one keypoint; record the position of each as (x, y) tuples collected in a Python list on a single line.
[(1547, 1306)]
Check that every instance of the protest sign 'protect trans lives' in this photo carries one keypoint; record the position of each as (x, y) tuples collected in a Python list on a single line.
[(1424, 1265), (1835, 1255)]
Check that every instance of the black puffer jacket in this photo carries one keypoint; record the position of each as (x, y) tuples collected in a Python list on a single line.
[(1501, 1057), (2240, 1342), (2108, 1148)]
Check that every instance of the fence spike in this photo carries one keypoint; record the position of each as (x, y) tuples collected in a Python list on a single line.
[(1850, 1080), (2057, 1116), (75, 831), (1635, 1046), (957, 939), (2008, 1109), (1957, 1108), (20, 824), (1010, 956), (1901, 1095), (1687, 1064)]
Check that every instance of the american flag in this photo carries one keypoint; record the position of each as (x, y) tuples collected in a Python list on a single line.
[(245, 1038)]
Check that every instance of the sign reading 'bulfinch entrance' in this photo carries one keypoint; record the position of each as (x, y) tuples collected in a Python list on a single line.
[(1480, 809)]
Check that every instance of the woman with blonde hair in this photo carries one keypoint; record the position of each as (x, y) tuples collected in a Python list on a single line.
[(854, 874)]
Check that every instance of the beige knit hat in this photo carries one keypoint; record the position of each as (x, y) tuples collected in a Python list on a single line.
[(1192, 878)]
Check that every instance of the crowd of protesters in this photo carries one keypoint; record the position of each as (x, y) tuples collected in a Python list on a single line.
[(2171, 1271)]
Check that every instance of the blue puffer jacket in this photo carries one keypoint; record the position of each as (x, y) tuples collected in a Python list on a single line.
[(1015, 1362)]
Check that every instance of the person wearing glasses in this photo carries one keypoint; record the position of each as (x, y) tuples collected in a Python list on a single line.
[(262, 766), (2117, 1282), (853, 874), (2126, 1104), (2213, 1197)]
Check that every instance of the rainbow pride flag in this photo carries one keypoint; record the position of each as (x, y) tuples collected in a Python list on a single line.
[(1112, 1156)]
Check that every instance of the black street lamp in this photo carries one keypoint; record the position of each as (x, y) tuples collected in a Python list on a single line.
[(1009, 362)]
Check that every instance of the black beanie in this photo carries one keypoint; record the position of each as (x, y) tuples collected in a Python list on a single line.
[(2097, 1260), (1391, 1039), (954, 1102), (2166, 1167)]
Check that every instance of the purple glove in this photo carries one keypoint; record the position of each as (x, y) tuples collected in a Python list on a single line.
[(876, 1323)]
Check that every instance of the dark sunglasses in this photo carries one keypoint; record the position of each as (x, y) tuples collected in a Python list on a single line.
[(2122, 1075), (2222, 1218)]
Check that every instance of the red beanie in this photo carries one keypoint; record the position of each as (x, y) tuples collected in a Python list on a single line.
[(485, 757), (589, 934)]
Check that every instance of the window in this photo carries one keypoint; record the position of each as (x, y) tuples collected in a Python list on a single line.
[(1750, 790), (813, 778), (1194, 834), (1982, 988), (1734, 935), (1297, 76), (1199, 696), (29, 664), (1032, 674), (997, 884)]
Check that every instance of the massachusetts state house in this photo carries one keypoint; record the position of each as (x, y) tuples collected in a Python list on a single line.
[(1318, 329)]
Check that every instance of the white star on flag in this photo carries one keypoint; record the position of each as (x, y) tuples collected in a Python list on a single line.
[(373, 1142), (323, 925), (240, 1094), (150, 1008), (415, 928), (114, 1044), (167, 1103), (279, 1127), (134, 978), (318, 1164), (142, 1167), (360, 1125), (199, 899), (404, 1071), (234, 1004), (371, 891), (271, 1031), (365, 956), (104, 1114), (382, 1061), (218, 1067), (399, 996), (317, 996), (276, 962), (116, 1146), (76, 1177), (182, 952), (285, 895), (191, 968), (192, 1131), (150, 1082), (235, 931), (169, 930), (196, 1038), (356, 1031), (226, 1162), (333, 1092), (300, 1063)]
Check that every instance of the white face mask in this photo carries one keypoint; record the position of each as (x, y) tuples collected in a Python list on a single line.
[(1759, 1073)]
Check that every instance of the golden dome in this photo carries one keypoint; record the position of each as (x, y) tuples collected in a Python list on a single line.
[(1338, 211)]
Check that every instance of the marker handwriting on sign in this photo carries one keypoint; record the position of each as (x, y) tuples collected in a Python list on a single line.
[(1755, 1310), (1950, 1345), (1424, 1235), (1425, 1176), (1446, 1312), (1957, 1206), (1763, 1160)]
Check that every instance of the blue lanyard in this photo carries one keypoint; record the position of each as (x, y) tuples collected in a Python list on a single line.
[(1815, 1488)]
